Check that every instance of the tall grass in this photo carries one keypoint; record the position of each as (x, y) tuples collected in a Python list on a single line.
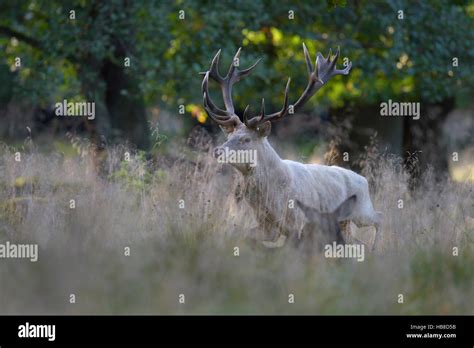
[(176, 249)]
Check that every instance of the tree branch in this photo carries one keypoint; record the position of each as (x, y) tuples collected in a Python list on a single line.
[(5, 31)]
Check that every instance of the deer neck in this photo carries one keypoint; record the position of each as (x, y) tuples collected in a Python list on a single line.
[(268, 162), (268, 177)]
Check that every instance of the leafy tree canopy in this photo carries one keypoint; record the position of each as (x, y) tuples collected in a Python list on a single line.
[(399, 49)]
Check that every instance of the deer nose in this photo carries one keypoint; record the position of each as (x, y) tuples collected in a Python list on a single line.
[(218, 151)]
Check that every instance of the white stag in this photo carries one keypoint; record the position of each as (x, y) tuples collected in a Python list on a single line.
[(273, 184)]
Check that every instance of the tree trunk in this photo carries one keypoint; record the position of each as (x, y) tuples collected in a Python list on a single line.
[(120, 110), (357, 125), (125, 106), (424, 139)]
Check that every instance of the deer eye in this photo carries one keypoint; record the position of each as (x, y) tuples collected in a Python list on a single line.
[(246, 140)]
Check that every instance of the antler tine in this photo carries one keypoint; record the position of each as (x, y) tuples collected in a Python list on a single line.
[(324, 70), (327, 68), (245, 72), (309, 65), (232, 67), (220, 116), (209, 103), (256, 120), (245, 117), (284, 110), (209, 110), (344, 71), (333, 63), (272, 117), (262, 110), (214, 69), (287, 91), (221, 120), (234, 75)]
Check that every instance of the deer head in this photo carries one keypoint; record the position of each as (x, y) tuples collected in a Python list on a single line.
[(327, 225), (250, 135)]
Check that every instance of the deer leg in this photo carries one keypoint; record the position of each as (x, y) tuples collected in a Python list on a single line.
[(377, 237), (349, 237), (372, 221), (378, 223)]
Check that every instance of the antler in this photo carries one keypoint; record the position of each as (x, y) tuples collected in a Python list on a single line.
[(225, 117), (323, 70), (319, 74), (255, 121)]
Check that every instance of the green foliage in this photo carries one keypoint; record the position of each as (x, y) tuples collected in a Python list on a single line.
[(135, 175), (409, 58)]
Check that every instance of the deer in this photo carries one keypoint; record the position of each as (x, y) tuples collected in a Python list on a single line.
[(274, 184), (325, 228)]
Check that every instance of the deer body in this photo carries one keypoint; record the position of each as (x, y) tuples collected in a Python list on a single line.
[(325, 188), (273, 184)]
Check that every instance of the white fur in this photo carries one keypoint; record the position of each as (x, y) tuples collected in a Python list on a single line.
[(274, 183)]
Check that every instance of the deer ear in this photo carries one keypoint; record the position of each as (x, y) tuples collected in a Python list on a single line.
[(265, 129)]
